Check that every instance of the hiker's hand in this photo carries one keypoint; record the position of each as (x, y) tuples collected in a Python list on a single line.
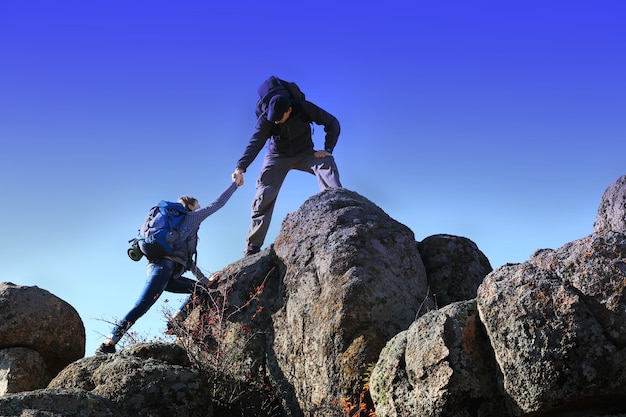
[(322, 154), (238, 177), (213, 279)]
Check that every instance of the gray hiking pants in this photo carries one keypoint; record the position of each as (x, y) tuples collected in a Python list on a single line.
[(273, 173)]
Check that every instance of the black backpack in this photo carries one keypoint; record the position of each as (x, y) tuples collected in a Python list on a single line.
[(275, 86)]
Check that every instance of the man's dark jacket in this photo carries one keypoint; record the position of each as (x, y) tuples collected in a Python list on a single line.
[(293, 136)]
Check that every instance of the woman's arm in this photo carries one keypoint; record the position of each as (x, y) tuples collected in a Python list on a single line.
[(196, 217)]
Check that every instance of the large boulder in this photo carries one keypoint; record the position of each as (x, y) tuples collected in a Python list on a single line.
[(441, 366), (557, 324), (22, 369), (455, 267), (142, 380), (33, 318), (353, 278), (229, 336)]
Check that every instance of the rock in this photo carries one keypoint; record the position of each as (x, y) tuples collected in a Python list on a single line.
[(33, 318), (353, 278), (229, 336), (455, 267), (57, 403), (142, 380), (441, 366), (79, 374), (557, 325), (612, 210), (22, 369), (595, 267)]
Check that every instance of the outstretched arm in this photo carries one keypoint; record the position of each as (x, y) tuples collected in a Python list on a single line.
[(199, 215), (262, 132)]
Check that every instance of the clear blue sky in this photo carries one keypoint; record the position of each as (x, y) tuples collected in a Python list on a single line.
[(499, 121)]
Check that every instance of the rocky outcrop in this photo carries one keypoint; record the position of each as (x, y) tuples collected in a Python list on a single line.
[(38, 331), (141, 380), (341, 279), (313, 310), (545, 337), (344, 290)]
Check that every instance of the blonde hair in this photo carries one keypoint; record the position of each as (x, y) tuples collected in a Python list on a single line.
[(188, 201)]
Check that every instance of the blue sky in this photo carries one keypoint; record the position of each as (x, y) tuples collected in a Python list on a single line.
[(499, 121)]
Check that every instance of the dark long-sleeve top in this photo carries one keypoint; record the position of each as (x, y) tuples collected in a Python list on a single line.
[(293, 136)]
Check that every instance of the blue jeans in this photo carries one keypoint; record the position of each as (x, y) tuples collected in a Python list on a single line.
[(163, 275)]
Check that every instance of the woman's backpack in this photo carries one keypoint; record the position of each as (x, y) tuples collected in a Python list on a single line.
[(161, 231)]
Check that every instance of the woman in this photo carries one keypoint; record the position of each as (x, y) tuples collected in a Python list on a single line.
[(165, 274)]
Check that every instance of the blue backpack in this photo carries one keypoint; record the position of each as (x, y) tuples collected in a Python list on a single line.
[(160, 232)]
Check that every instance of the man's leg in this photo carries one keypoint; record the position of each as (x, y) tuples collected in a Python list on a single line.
[(268, 185), (324, 169)]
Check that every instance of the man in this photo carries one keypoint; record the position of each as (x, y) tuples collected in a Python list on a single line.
[(287, 123)]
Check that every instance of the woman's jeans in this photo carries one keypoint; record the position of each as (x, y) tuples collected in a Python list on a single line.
[(163, 275)]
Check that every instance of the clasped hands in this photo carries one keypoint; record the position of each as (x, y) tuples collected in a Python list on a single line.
[(238, 177)]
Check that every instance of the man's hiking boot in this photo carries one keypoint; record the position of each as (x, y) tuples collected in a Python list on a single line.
[(105, 349), (251, 250)]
